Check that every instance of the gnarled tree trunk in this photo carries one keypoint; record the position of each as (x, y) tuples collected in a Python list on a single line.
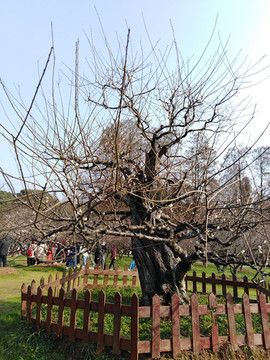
[(160, 270)]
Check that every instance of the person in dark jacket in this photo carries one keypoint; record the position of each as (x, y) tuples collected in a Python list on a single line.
[(71, 257), (113, 258), (4, 245), (97, 254)]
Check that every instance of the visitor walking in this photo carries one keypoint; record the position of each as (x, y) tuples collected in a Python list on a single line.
[(132, 264), (113, 258)]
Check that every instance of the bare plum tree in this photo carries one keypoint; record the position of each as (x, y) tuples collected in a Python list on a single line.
[(137, 153)]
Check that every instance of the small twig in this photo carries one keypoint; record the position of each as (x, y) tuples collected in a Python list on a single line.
[(34, 97)]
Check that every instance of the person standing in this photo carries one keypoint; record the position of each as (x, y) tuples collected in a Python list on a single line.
[(103, 255), (30, 253), (71, 257), (113, 258), (40, 253), (49, 255), (85, 255), (132, 264), (4, 245), (60, 254), (97, 254)]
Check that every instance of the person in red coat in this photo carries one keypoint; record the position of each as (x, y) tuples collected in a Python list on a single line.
[(49, 256)]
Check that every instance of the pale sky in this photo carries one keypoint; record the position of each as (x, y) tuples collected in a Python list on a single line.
[(25, 37)]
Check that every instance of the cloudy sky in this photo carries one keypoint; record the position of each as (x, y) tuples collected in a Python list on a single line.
[(25, 37)]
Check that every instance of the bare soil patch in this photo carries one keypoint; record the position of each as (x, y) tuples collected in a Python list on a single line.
[(8, 271), (45, 265), (246, 271)]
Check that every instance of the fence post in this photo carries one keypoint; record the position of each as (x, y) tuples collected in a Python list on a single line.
[(101, 319), (86, 314), (75, 277), (85, 276), (23, 302), (79, 277), (204, 283), (194, 282), (61, 312), (265, 324), (57, 276), (134, 336), (176, 345), (214, 330), (117, 323), (39, 302), (29, 303), (235, 290), (49, 311), (41, 281), (95, 281), (248, 320), (214, 286), (69, 281), (74, 297), (246, 289), (134, 278), (195, 323), (265, 286), (257, 295), (106, 276), (231, 321), (224, 287), (50, 278), (115, 278), (63, 277), (156, 326), (125, 276), (33, 286)]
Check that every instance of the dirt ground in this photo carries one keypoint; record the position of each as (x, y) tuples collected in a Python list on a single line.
[(8, 271), (80, 351)]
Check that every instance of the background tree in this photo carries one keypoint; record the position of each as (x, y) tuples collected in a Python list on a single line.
[(137, 153)]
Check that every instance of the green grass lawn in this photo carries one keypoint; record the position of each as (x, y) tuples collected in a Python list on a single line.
[(33, 344), (10, 284)]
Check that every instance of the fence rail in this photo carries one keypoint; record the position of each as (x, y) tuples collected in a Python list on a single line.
[(226, 285), (52, 320)]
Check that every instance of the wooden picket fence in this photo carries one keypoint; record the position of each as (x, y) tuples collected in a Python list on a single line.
[(175, 344), (86, 278), (60, 296), (198, 284)]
